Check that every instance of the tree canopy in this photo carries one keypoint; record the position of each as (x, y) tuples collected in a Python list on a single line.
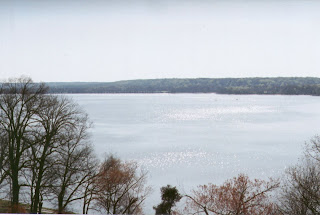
[(280, 85), (170, 196)]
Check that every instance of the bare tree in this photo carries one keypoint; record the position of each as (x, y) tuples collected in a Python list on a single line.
[(300, 192), (44, 145), (121, 187), (234, 197), (90, 191), (57, 117), (20, 100), (3, 156), (74, 164)]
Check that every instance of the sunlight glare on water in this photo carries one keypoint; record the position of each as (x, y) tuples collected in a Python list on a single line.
[(191, 139), (216, 114)]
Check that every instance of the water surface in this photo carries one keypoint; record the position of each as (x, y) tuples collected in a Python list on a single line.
[(190, 139)]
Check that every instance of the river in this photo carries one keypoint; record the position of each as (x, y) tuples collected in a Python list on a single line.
[(190, 139)]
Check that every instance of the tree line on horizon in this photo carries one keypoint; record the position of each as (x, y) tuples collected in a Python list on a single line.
[(46, 157), (266, 86)]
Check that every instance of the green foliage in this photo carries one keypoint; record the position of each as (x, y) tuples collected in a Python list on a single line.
[(281, 85), (162, 208), (170, 196)]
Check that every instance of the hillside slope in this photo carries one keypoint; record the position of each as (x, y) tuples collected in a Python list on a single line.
[(281, 85)]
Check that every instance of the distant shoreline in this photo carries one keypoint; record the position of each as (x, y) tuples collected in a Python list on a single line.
[(182, 94), (236, 86)]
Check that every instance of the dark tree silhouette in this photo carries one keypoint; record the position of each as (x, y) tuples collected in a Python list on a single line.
[(300, 193), (20, 101), (170, 196), (44, 145)]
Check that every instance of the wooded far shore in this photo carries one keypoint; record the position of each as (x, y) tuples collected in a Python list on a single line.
[(279, 85)]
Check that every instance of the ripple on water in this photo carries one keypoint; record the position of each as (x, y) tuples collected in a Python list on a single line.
[(216, 114), (200, 159)]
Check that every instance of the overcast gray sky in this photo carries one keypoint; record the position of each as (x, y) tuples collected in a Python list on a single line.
[(135, 39)]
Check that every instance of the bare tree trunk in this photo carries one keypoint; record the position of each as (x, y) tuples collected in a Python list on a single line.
[(15, 193), (36, 197), (60, 201)]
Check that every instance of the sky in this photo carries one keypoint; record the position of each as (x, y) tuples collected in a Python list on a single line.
[(111, 40)]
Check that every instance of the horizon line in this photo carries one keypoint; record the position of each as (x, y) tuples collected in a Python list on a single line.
[(142, 79)]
